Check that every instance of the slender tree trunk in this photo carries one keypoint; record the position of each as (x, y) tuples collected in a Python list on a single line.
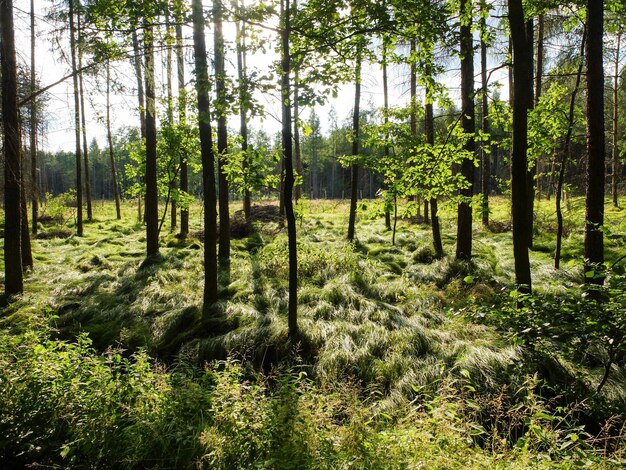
[(33, 124), (182, 117), (208, 157), (615, 149), (532, 168), (355, 147), (221, 106), (566, 154), (13, 277), (429, 128), (243, 108), (116, 189), (540, 56), (173, 170), (484, 146), (152, 197), (386, 117), (413, 113), (464, 219), (141, 98), (522, 81), (83, 118), (79, 170), (289, 176), (594, 239)]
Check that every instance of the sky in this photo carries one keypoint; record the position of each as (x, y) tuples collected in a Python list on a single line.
[(52, 63)]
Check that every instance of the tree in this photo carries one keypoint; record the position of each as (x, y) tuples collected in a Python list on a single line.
[(81, 92), (13, 283), (116, 190), (289, 181), (354, 168), (33, 124), (464, 219), (522, 92), (152, 197), (79, 171), (208, 158), (182, 118), (243, 105), (221, 109), (594, 214)]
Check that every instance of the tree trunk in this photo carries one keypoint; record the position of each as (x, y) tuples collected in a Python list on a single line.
[(79, 171), (33, 124), (615, 149), (464, 219), (429, 128), (13, 277), (289, 175), (243, 108), (566, 154), (532, 168), (182, 117), (386, 118), (116, 189), (170, 116), (413, 112), (83, 118), (137, 65), (355, 147), (208, 158), (484, 146), (522, 82), (221, 110), (594, 240), (152, 197)]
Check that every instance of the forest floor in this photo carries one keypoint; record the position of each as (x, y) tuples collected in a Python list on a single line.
[(402, 360)]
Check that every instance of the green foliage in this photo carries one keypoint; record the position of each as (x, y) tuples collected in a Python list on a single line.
[(56, 207)]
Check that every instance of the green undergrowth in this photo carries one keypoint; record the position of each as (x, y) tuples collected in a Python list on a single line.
[(387, 357)]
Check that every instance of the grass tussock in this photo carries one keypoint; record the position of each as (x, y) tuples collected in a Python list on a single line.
[(387, 358)]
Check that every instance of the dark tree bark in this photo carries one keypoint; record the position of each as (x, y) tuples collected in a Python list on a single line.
[(13, 276), (33, 124), (464, 218), (532, 168), (413, 113), (523, 91), (83, 118), (594, 240), (386, 116), (141, 98), (615, 149), (222, 134), (289, 174), (182, 117), (79, 170), (243, 106), (116, 189), (356, 137), (152, 197), (484, 146), (429, 128), (208, 158), (170, 116)]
